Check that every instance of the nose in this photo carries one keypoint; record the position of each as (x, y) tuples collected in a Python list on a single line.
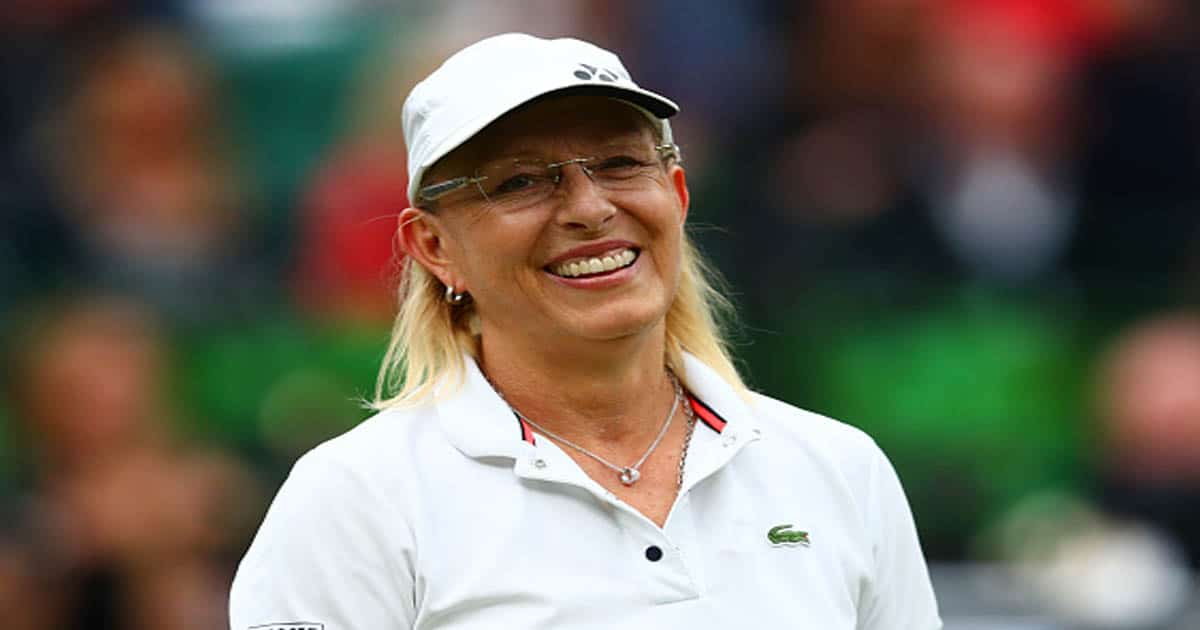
[(583, 203)]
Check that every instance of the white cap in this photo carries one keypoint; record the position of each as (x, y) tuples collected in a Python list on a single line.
[(484, 81)]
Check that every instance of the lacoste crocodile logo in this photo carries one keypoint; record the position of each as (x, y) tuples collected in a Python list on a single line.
[(783, 535)]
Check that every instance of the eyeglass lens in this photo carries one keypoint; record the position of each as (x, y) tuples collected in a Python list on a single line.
[(515, 184)]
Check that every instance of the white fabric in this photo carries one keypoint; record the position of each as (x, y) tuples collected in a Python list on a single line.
[(443, 518), (489, 78)]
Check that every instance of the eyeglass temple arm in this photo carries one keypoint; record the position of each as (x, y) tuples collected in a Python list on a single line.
[(670, 150), (433, 191)]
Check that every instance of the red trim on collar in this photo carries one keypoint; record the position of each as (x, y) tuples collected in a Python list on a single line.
[(526, 431), (706, 414)]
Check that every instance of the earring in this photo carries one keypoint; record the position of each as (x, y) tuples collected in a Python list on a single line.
[(455, 299)]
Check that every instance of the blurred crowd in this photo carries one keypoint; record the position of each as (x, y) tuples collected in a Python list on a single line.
[(971, 227)]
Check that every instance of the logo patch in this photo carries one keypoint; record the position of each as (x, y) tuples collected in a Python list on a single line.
[(784, 535), (587, 72), (292, 625)]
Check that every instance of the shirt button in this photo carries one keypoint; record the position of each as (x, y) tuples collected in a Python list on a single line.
[(729, 440), (653, 553), (539, 463)]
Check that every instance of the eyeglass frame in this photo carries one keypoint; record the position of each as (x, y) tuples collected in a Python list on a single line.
[(432, 192)]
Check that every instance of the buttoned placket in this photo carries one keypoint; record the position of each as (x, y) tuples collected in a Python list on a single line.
[(663, 553)]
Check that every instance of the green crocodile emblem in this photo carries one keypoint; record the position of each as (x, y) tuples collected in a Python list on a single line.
[(782, 535)]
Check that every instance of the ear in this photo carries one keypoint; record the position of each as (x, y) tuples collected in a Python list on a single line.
[(423, 237), (679, 184)]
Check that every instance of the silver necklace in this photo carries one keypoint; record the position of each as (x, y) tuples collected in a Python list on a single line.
[(627, 474)]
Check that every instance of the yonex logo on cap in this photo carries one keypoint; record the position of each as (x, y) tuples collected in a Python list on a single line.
[(592, 72)]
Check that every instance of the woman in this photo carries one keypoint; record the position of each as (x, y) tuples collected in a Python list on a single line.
[(566, 442)]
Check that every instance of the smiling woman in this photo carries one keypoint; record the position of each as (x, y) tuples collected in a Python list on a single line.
[(502, 250), (521, 472)]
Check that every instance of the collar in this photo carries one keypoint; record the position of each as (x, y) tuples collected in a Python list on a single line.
[(477, 421), (716, 403), (480, 424)]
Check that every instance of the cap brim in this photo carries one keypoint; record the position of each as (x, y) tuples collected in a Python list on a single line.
[(655, 104)]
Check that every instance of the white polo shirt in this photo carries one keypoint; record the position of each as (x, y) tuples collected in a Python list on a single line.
[(456, 516)]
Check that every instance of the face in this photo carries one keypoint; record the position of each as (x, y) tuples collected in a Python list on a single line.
[(532, 272)]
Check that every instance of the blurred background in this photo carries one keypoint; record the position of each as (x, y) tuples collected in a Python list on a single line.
[(970, 227)]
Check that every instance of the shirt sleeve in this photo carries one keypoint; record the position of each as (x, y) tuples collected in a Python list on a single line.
[(323, 557), (900, 595)]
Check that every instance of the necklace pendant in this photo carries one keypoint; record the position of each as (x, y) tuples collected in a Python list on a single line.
[(629, 476)]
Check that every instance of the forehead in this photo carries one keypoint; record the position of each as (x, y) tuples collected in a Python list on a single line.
[(552, 125)]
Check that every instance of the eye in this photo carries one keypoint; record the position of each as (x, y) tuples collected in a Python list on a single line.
[(516, 183), (620, 166), (516, 179)]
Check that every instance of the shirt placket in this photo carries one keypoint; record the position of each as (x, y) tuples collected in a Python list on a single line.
[(655, 556)]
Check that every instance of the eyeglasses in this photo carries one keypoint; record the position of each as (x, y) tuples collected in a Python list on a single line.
[(511, 185)]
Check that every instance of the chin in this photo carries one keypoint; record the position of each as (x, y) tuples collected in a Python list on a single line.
[(618, 321)]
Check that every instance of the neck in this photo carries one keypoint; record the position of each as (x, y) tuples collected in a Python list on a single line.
[(614, 392)]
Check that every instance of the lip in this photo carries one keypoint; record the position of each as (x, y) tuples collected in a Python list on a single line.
[(609, 280), (590, 250)]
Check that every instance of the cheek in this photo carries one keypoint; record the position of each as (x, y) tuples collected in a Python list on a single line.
[(666, 229), (494, 250), (674, 268)]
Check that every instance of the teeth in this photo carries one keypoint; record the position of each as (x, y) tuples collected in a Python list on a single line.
[(608, 262)]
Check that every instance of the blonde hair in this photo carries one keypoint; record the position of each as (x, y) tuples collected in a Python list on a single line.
[(430, 336)]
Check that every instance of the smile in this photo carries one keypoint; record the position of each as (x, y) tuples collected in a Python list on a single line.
[(610, 261)]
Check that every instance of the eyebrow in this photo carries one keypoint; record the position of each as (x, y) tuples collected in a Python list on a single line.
[(526, 154)]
